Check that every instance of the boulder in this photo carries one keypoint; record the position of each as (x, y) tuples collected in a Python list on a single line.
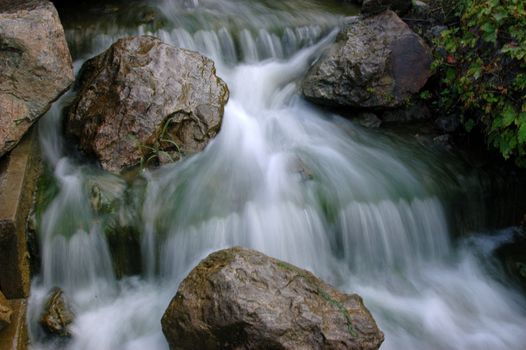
[(376, 62), (241, 299), (5, 312), (35, 65), (143, 99), (377, 6), (57, 315)]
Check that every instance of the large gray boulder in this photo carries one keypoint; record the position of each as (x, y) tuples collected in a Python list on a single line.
[(241, 299), (141, 99), (35, 65), (376, 62)]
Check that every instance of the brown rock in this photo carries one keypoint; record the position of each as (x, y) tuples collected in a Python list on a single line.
[(35, 65), (57, 315), (143, 97), (14, 336), (376, 62), (5, 312), (241, 299), (18, 174)]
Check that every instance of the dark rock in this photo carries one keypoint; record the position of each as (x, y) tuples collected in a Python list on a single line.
[(377, 6), (512, 255), (35, 66), (443, 141), (448, 124), (241, 299), (368, 120), (118, 208), (143, 99), (376, 62), (57, 315), (5, 312), (412, 113), (421, 9), (434, 32)]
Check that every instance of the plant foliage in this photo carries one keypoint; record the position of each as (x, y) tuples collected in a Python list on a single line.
[(482, 62)]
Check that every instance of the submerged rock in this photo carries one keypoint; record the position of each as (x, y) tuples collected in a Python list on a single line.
[(5, 312), (376, 62), (241, 299), (368, 120), (35, 66), (144, 99), (57, 315)]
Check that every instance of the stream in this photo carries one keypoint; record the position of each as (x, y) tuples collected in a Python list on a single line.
[(366, 210)]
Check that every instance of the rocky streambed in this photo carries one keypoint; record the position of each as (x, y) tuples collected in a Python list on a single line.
[(221, 126)]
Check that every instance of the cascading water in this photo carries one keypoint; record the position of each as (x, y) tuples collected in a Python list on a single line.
[(361, 209)]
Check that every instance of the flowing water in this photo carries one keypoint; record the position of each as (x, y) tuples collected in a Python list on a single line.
[(365, 210)]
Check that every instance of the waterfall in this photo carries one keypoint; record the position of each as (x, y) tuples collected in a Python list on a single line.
[(362, 209)]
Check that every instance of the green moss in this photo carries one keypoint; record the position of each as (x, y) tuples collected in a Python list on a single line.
[(47, 190)]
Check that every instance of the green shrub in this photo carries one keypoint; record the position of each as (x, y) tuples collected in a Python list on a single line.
[(482, 61)]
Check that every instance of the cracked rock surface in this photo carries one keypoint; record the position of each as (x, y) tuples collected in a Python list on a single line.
[(376, 62), (143, 99), (242, 299), (35, 66)]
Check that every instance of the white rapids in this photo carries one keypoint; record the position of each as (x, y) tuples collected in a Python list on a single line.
[(361, 209)]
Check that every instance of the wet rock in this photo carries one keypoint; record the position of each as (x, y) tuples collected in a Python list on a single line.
[(448, 124), (443, 141), (412, 113), (241, 299), (57, 315), (421, 9), (19, 171), (377, 6), (376, 62), (368, 120), (14, 336), (35, 66), (5, 312), (512, 255), (143, 99)]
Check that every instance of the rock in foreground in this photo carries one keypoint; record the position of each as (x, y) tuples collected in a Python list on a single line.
[(376, 62), (57, 316), (241, 299), (142, 98), (35, 66)]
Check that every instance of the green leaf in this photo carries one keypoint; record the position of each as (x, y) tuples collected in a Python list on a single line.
[(508, 116), (521, 135), (500, 15), (469, 125)]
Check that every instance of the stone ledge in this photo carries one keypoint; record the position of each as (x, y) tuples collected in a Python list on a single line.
[(18, 174), (14, 336)]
